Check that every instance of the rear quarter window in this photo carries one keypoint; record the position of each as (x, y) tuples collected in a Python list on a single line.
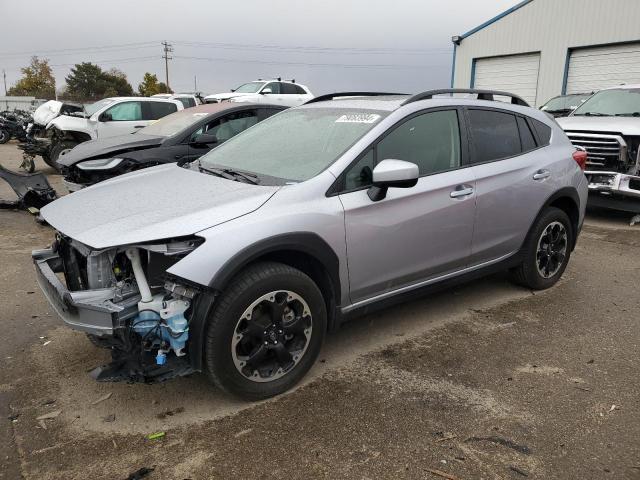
[(543, 132)]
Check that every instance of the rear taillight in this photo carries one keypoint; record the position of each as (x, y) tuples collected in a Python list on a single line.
[(580, 156)]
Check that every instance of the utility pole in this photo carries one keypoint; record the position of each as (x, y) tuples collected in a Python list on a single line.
[(195, 84), (4, 75), (168, 48)]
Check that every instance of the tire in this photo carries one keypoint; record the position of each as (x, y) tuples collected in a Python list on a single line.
[(534, 272), (229, 332), (46, 156), (59, 149), (4, 136)]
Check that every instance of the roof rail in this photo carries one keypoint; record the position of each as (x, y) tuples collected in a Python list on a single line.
[(331, 96), (481, 95)]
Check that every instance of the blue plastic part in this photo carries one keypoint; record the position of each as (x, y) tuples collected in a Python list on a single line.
[(174, 330), (161, 358)]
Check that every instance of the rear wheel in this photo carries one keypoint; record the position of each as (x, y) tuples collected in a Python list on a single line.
[(4, 136), (547, 251), (266, 332)]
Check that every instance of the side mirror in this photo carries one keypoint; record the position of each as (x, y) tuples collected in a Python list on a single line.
[(105, 117), (392, 173), (204, 139), (266, 91)]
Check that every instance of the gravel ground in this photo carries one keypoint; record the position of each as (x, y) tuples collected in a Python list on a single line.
[(486, 380)]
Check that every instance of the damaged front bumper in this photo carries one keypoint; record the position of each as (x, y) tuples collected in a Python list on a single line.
[(91, 311), (614, 190)]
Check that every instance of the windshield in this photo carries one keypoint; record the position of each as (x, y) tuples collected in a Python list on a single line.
[(94, 107), (566, 102), (296, 144), (172, 124), (616, 102), (251, 87)]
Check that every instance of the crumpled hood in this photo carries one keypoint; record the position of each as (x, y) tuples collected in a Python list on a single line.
[(156, 203), (227, 95), (103, 147), (622, 125), (68, 122)]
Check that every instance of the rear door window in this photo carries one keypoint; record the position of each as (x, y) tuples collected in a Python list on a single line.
[(494, 134), (288, 89), (157, 110)]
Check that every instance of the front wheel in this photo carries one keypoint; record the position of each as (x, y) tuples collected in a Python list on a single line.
[(59, 150), (266, 331), (547, 250), (4, 136)]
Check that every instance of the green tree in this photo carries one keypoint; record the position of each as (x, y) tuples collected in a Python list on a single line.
[(150, 85), (37, 80), (89, 82)]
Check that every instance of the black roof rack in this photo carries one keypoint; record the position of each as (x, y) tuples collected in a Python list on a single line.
[(481, 94), (331, 96)]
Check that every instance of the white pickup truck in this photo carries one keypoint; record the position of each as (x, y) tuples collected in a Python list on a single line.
[(607, 126), (105, 118)]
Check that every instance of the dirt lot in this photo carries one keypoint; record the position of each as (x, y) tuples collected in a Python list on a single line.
[(483, 381)]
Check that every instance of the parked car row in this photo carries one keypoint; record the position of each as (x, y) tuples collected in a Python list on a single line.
[(238, 263)]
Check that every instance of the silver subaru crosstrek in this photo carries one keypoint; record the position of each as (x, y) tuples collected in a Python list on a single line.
[(239, 263)]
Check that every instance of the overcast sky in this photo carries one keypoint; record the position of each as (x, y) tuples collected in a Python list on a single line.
[(329, 45)]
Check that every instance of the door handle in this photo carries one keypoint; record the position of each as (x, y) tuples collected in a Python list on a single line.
[(541, 174), (139, 126), (461, 191)]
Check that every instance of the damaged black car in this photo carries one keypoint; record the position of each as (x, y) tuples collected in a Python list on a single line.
[(181, 137)]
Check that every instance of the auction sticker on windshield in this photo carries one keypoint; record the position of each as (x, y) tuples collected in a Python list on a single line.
[(358, 118)]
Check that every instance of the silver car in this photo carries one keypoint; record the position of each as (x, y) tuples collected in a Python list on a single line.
[(239, 263)]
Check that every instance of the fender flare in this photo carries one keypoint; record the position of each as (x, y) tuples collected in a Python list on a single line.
[(565, 192), (304, 242)]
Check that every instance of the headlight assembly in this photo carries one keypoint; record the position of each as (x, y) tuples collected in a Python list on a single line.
[(100, 164)]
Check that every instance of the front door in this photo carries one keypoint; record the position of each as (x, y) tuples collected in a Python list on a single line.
[(120, 119), (414, 234)]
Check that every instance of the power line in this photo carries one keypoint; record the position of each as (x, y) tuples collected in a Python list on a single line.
[(308, 64), (113, 60), (315, 49), (73, 51)]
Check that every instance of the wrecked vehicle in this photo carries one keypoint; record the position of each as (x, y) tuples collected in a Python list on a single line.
[(607, 126), (103, 119), (180, 137), (36, 142), (238, 264)]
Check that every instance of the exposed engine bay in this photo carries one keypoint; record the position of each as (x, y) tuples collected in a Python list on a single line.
[(122, 298)]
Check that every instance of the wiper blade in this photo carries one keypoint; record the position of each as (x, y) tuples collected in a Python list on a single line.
[(630, 114), (595, 114), (230, 174), (249, 177)]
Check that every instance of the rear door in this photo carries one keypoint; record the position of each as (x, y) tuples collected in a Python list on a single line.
[(121, 118), (290, 93), (514, 178), (418, 233)]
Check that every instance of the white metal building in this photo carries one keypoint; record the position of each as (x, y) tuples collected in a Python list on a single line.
[(543, 48)]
